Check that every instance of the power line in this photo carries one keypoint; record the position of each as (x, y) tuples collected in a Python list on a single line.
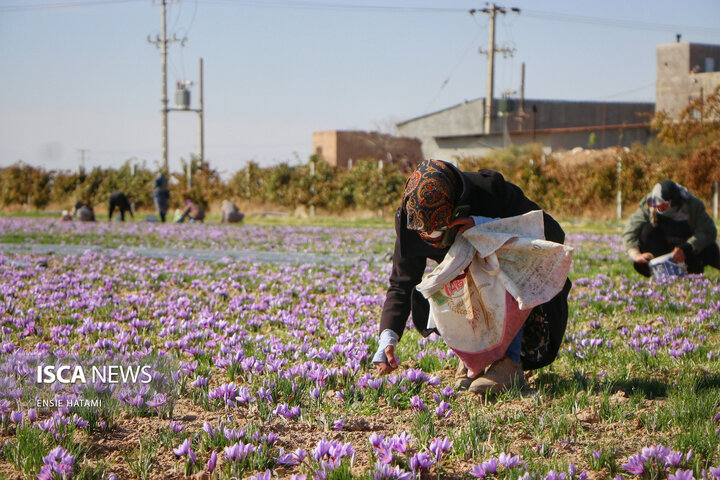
[(315, 5), (619, 23), (60, 5)]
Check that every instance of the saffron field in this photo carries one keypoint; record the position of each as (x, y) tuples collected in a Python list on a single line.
[(262, 370)]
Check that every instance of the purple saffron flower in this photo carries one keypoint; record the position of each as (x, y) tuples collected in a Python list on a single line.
[(682, 475), (375, 383), (443, 410), (376, 440), (16, 417), (384, 454), (635, 464), (176, 427), (416, 402), (239, 451), (508, 461), (182, 449), (321, 449), (266, 475), (289, 459), (338, 424), (491, 465), (212, 462), (421, 461), (399, 443), (157, 400), (715, 472), (439, 446), (57, 463), (673, 458), (479, 471), (553, 475)]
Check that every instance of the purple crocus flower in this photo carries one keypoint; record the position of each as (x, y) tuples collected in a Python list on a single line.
[(266, 475), (290, 459), (321, 449), (553, 475), (682, 475), (183, 449), (416, 402), (57, 463), (212, 462), (635, 464), (421, 461), (509, 461), (176, 427), (399, 443), (157, 400), (439, 446), (479, 471), (375, 383), (239, 451), (443, 410), (16, 417), (715, 472), (338, 424)]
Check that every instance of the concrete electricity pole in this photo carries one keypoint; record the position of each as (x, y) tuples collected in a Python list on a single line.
[(161, 42), (492, 11)]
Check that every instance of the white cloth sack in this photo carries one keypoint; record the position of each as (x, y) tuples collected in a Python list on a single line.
[(491, 278)]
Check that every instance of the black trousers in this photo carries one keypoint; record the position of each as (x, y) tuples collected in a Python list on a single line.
[(668, 235)]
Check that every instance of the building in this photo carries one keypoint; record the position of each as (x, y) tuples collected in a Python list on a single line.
[(341, 148), (685, 72), (459, 130)]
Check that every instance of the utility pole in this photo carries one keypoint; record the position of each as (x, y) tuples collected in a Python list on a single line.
[(81, 167), (492, 11), (161, 42)]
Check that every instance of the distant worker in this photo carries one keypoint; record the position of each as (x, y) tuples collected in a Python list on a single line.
[(671, 220), (230, 213), (83, 212), (193, 211), (120, 200), (161, 196)]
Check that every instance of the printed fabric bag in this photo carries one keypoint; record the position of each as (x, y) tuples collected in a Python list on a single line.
[(491, 278)]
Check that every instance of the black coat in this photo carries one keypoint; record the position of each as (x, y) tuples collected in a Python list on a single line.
[(489, 195)]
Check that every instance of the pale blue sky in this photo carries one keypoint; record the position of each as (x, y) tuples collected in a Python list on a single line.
[(79, 74)]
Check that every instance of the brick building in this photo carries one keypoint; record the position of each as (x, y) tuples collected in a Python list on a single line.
[(339, 148)]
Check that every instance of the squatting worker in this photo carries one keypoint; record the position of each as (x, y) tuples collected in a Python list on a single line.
[(431, 195), (120, 201), (671, 219)]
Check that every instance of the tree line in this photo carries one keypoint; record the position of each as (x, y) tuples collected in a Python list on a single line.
[(686, 150)]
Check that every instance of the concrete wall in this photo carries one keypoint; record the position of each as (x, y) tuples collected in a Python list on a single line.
[(453, 148), (338, 147), (457, 131), (681, 72)]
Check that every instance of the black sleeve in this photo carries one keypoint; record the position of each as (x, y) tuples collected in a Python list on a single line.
[(407, 272)]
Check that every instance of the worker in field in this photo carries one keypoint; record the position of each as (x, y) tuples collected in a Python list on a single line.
[(230, 213), (671, 220), (192, 211), (120, 201), (83, 212), (440, 201), (161, 196)]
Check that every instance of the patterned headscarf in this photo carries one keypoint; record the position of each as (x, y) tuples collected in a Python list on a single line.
[(429, 198)]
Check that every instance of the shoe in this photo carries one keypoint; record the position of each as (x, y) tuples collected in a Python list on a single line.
[(500, 375), (462, 381)]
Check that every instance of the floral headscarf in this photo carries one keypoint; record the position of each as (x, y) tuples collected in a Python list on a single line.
[(429, 198)]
